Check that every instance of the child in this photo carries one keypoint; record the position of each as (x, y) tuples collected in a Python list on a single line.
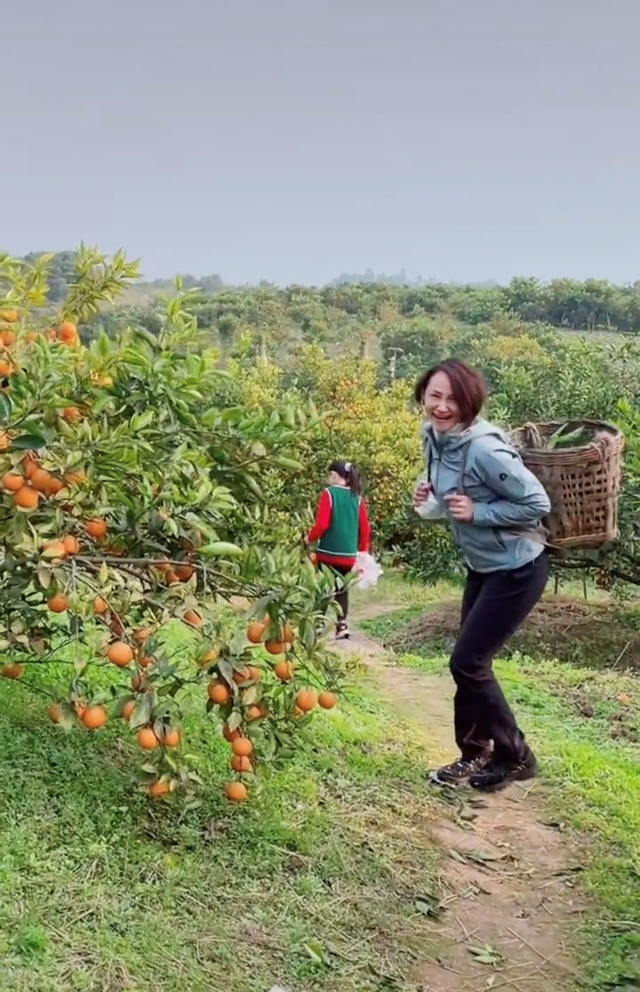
[(341, 530)]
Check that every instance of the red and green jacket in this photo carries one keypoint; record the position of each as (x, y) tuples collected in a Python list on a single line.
[(341, 527)]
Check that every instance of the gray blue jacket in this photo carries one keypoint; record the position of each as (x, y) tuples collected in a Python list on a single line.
[(509, 502)]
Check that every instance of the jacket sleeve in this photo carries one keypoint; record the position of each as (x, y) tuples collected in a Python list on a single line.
[(323, 518), (522, 498), (364, 528)]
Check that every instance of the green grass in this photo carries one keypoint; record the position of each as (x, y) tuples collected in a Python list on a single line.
[(312, 885), (585, 727)]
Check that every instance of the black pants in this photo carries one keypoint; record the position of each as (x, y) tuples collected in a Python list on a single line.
[(493, 607), (341, 596)]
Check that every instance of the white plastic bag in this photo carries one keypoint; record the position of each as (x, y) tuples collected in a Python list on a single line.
[(368, 571), (430, 509)]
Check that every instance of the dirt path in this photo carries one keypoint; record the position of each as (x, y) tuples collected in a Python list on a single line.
[(507, 895)]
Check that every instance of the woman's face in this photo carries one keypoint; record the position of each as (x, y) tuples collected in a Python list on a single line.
[(439, 405)]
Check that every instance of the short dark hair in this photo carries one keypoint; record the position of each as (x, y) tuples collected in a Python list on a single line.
[(468, 387), (348, 472)]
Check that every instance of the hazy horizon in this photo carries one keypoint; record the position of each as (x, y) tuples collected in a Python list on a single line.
[(458, 141)]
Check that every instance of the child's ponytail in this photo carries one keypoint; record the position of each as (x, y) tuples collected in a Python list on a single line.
[(350, 474)]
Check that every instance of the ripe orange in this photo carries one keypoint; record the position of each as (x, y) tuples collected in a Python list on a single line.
[(286, 634), (283, 670), (55, 485), (40, 479), (170, 578), (31, 462), (67, 333), (128, 709), (71, 413), (8, 338), (145, 660), (255, 631), (147, 739), (55, 549), (119, 653), (31, 336), (26, 498), (275, 647), (250, 674), (183, 572), (218, 693), (11, 671), (55, 713), (99, 606), (255, 713), (57, 603), (75, 476), (240, 764), (172, 737), (306, 700), (242, 746), (209, 657), (9, 316), (71, 543), (192, 619), (5, 440), (6, 368), (327, 700), (141, 635), (94, 717), (159, 788), (236, 792), (12, 481), (229, 734), (96, 527)]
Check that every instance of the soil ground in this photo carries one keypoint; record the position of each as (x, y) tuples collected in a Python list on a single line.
[(507, 900)]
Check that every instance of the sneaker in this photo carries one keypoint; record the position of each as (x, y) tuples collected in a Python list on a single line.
[(498, 774), (342, 632), (459, 771)]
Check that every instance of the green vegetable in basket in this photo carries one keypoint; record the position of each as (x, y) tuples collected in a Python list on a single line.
[(571, 440)]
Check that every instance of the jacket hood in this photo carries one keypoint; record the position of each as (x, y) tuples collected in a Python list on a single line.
[(457, 438)]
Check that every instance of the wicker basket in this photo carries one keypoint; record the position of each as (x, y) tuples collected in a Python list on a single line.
[(583, 482)]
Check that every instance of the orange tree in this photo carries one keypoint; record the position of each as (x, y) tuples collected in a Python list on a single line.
[(131, 504)]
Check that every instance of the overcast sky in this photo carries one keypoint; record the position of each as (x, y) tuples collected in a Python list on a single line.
[(293, 140)]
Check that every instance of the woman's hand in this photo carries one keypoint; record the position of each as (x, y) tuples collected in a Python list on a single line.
[(460, 507), (421, 493)]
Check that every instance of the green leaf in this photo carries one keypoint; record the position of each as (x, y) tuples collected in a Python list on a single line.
[(282, 461), (43, 575), (235, 719), (142, 420), (222, 549), (316, 952), (142, 712), (429, 905), (5, 407), (485, 954), (28, 442)]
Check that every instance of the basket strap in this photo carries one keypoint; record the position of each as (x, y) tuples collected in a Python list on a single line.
[(533, 535)]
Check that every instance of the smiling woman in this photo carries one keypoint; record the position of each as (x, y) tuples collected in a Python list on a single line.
[(477, 480)]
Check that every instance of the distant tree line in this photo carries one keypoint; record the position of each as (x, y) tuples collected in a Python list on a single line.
[(563, 303)]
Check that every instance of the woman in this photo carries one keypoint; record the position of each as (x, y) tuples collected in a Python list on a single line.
[(341, 529), (495, 506)]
